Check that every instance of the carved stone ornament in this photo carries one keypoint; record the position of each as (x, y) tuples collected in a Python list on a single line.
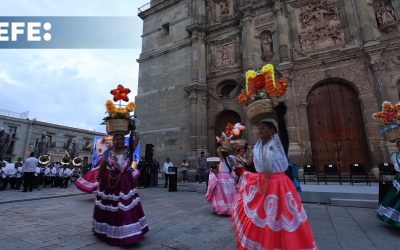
[(225, 55), (223, 9), (319, 25), (385, 16), (266, 45)]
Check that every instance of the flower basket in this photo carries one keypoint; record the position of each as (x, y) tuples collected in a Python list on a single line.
[(117, 126), (238, 143), (227, 146), (258, 110), (393, 134)]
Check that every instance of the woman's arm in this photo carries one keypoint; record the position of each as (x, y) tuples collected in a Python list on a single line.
[(133, 138)]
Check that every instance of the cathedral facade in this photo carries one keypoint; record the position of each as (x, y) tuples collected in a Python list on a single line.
[(342, 59)]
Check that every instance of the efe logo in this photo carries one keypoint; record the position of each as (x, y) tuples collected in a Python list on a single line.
[(31, 31)]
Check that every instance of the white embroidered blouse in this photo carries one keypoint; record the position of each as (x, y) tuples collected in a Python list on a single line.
[(270, 157), (395, 160)]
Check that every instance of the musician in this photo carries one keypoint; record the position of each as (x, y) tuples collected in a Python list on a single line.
[(36, 180), (54, 174), (10, 176), (47, 178), (2, 175), (65, 174), (18, 173), (29, 168)]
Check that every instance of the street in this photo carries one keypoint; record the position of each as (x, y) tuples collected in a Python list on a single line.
[(181, 220)]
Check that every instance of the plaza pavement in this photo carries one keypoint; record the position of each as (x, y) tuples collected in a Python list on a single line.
[(61, 219)]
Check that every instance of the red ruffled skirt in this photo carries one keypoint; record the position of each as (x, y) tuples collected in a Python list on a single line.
[(88, 182), (269, 214), (118, 214), (221, 193)]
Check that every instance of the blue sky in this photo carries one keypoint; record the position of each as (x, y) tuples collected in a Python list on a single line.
[(66, 86)]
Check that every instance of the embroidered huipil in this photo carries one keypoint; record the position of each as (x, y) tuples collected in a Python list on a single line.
[(270, 157)]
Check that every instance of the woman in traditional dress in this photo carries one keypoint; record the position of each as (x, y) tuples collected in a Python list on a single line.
[(221, 187), (389, 210), (118, 214), (241, 162), (88, 182), (268, 213)]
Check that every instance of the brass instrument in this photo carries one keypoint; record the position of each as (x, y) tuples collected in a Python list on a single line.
[(66, 160), (77, 161), (44, 160)]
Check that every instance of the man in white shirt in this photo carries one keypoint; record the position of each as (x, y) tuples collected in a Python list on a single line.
[(29, 169), (18, 166), (65, 174), (167, 166)]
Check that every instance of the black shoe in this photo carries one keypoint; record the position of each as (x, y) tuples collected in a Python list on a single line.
[(24, 191)]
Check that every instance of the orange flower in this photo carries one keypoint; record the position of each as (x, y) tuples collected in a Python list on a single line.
[(279, 90), (229, 129), (243, 98)]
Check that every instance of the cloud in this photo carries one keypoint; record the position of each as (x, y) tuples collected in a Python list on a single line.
[(67, 87)]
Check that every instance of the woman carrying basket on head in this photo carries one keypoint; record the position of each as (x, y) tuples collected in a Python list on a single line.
[(268, 213)]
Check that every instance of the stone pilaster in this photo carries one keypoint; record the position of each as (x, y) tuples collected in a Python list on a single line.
[(380, 86), (247, 39), (368, 26), (198, 117), (282, 28)]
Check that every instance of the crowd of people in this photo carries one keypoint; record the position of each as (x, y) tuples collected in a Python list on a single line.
[(30, 174)]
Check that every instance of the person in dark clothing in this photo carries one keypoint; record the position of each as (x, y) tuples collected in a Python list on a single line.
[(154, 170)]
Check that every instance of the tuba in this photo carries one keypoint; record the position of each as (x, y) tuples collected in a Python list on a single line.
[(77, 161), (44, 159), (66, 160)]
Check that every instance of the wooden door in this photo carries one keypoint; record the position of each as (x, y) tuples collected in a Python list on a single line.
[(336, 127)]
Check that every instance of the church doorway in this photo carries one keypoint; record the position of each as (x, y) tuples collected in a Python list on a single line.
[(336, 127)]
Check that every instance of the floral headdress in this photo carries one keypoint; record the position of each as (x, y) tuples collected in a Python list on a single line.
[(389, 116), (261, 83), (119, 111)]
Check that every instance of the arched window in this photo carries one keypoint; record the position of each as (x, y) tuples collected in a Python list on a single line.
[(226, 88)]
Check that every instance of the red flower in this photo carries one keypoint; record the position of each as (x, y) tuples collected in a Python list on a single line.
[(120, 93), (259, 82)]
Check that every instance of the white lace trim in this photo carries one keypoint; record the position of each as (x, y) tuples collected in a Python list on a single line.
[(117, 197), (87, 183), (120, 232), (251, 244), (271, 210), (389, 213), (244, 241), (119, 206)]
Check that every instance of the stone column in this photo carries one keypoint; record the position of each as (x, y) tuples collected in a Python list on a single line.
[(380, 88), (198, 121), (368, 25), (282, 28), (247, 39)]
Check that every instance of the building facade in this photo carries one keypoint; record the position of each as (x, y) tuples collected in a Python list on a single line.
[(26, 132), (342, 59)]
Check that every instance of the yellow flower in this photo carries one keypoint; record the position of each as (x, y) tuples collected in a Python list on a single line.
[(249, 75), (269, 69), (110, 106), (131, 106)]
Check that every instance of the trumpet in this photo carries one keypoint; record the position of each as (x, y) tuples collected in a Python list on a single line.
[(77, 161), (44, 160)]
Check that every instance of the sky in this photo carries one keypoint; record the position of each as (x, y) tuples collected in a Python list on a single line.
[(67, 86)]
